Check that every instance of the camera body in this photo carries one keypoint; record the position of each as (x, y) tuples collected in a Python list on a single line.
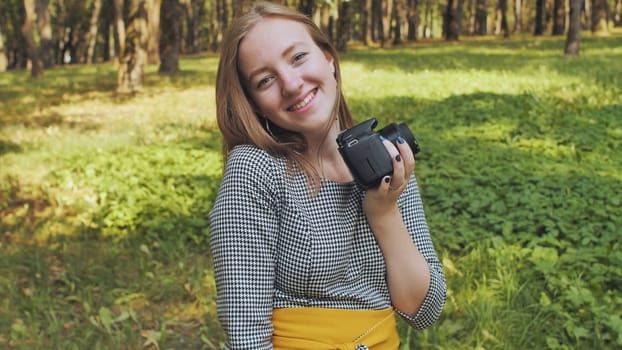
[(366, 156)]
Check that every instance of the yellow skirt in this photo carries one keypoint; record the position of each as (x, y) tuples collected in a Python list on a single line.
[(334, 329)]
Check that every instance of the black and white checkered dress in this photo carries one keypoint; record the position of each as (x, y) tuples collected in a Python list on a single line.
[(275, 246)]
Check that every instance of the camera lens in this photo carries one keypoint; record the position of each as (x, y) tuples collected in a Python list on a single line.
[(393, 131)]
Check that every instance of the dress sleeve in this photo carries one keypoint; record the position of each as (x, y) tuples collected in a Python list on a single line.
[(412, 211), (243, 226)]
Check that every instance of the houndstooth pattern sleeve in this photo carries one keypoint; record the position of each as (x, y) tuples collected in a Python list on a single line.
[(243, 225), (411, 207)]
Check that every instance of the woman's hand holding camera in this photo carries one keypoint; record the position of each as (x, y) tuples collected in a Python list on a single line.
[(382, 200), (408, 273)]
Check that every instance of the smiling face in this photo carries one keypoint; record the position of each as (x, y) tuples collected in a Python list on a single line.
[(290, 79)]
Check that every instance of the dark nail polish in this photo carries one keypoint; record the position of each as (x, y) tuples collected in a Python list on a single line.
[(400, 139), (398, 158)]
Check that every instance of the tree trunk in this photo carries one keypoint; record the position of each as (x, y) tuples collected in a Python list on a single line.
[(366, 17), (481, 18), (401, 21), (559, 20), (587, 15), (325, 19), (170, 36), (386, 11), (191, 19), (91, 37), (64, 44), (32, 49), (413, 19), (617, 16), (376, 21), (45, 32), (371, 19), (134, 57), (153, 45), (215, 31), (428, 27), (600, 16), (106, 29), (119, 25), (223, 15), (74, 45), (540, 24), (518, 16), (194, 17), (452, 20), (502, 19), (574, 30), (106, 52), (343, 26), (4, 62)]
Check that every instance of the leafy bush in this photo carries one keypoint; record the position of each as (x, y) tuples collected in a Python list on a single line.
[(157, 192)]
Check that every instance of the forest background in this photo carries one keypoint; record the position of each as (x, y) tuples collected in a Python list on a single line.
[(110, 161)]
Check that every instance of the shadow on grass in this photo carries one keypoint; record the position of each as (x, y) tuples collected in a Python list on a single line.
[(522, 117), (8, 147), (185, 79), (497, 164), (98, 293)]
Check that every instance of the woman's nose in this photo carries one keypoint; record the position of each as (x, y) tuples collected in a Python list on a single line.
[(291, 82)]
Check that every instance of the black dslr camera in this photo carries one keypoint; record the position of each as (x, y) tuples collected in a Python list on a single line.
[(366, 157)]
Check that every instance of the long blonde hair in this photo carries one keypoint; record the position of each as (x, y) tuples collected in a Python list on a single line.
[(237, 118)]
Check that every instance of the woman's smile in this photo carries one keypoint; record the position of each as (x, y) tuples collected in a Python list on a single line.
[(305, 101)]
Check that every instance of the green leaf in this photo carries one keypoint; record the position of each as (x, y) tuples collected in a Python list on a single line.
[(105, 317)]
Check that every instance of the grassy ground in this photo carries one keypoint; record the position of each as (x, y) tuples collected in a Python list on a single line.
[(103, 199)]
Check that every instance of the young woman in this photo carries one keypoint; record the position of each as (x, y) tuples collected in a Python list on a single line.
[(304, 257)]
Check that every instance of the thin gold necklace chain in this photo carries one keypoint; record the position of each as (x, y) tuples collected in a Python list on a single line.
[(372, 328)]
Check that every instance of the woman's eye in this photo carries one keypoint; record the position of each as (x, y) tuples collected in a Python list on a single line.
[(263, 82), (299, 56)]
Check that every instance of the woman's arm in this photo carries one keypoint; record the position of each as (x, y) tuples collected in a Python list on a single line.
[(414, 274), (243, 223)]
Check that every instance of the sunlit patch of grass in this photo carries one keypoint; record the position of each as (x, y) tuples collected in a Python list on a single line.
[(97, 121), (547, 147), (435, 85)]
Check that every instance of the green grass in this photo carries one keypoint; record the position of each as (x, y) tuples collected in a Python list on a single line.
[(104, 199)]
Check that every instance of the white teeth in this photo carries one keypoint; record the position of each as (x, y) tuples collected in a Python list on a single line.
[(303, 103)]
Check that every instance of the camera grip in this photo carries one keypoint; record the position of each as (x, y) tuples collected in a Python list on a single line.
[(368, 162)]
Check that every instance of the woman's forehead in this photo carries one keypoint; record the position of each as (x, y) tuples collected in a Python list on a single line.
[(271, 38), (275, 29)]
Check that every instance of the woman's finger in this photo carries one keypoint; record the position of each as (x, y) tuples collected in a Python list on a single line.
[(408, 157), (398, 178)]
